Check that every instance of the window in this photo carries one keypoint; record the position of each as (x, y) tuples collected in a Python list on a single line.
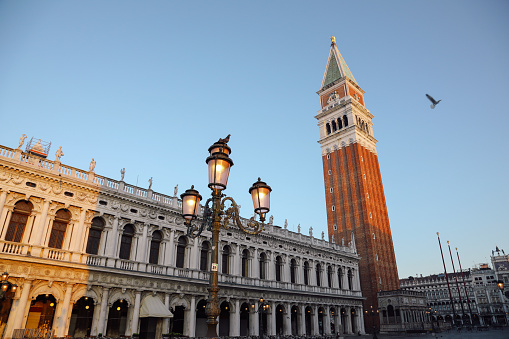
[(293, 271), (279, 268), (331, 189), (374, 236), (340, 278), (329, 276), (345, 120), (245, 262), (263, 260), (327, 127), (340, 123), (204, 256), (350, 280), (333, 208), (334, 128), (364, 176), (328, 156), (318, 274), (225, 262), (367, 195), (330, 172), (56, 239), (18, 221), (370, 215), (126, 241), (155, 244), (181, 251), (306, 273), (94, 235)]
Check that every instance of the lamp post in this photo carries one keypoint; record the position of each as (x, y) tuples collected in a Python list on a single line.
[(263, 308), (219, 164), (7, 289)]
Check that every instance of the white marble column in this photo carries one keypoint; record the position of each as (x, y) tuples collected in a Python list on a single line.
[(8, 215), (17, 315), (326, 321), (3, 196), (101, 326), (170, 250), (190, 319), (255, 267), (136, 313), (314, 320), (271, 319), (95, 317), (348, 321), (112, 240), (235, 320), (63, 314), (142, 245), (254, 323), (166, 321), (302, 320), (287, 320)]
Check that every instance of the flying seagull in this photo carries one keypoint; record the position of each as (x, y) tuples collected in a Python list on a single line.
[(433, 101)]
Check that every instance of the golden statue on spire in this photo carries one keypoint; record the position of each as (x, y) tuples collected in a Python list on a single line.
[(333, 40)]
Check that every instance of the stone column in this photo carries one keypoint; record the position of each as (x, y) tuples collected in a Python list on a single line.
[(255, 267), (302, 320), (361, 320), (17, 315), (112, 243), (95, 317), (142, 245), (8, 215), (287, 320), (348, 321), (3, 196), (78, 233), (254, 323), (136, 314), (190, 319), (235, 320), (271, 319), (64, 309), (170, 250), (195, 251), (316, 330), (166, 321), (326, 321), (101, 325)]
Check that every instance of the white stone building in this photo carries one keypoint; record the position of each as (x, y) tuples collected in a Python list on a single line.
[(93, 255)]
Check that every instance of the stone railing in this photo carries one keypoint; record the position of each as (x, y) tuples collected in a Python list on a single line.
[(53, 254)]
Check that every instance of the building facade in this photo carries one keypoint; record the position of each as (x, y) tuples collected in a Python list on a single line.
[(354, 192), (92, 255), (474, 297), (500, 263)]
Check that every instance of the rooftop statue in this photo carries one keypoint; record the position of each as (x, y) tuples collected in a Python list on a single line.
[(58, 154), (91, 168), (22, 140)]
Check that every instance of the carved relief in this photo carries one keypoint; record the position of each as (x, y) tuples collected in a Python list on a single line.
[(89, 216), (124, 207), (115, 205), (93, 199), (81, 196), (75, 212), (57, 190), (143, 212), (4, 176)]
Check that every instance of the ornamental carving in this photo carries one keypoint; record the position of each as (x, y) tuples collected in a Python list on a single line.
[(153, 215), (81, 196), (75, 213), (143, 212), (17, 179), (115, 205), (57, 190), (43, 186), (89, 216), (4, 176), (93, 199), (124, 207), (13, 197)]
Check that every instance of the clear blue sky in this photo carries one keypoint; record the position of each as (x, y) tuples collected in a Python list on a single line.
[(150, 85)]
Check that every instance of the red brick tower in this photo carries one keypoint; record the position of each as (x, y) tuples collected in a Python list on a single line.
[(353, 185)]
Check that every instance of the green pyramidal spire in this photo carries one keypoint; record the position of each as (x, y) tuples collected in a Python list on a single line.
[(336, 66)]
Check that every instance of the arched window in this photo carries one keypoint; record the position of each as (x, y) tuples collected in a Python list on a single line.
[(340, 278), (225, 262), (340, 123), (318, 275), (345, 120), (279, 268), (94, 235), (126, 241), (334, 128), (204, 256), (18, 222), (293, 271), (350, 280), (155, 244), (263, 259), (245, 262), (327, 127), (56, 238), (181, 251), (329, 276), (306, 273)]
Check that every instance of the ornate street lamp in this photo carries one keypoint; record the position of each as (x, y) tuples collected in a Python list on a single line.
[(7, 289), (219, 164)]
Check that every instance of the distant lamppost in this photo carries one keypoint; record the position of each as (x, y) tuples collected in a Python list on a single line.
[(7, 289), (219, 164), (263, 308)]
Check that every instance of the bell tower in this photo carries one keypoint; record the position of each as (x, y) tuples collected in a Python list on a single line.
[(354, 192)]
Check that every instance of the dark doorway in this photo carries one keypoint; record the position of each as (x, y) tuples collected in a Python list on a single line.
[(148, 328), (42, 311), (178, 320), (81, 317)]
